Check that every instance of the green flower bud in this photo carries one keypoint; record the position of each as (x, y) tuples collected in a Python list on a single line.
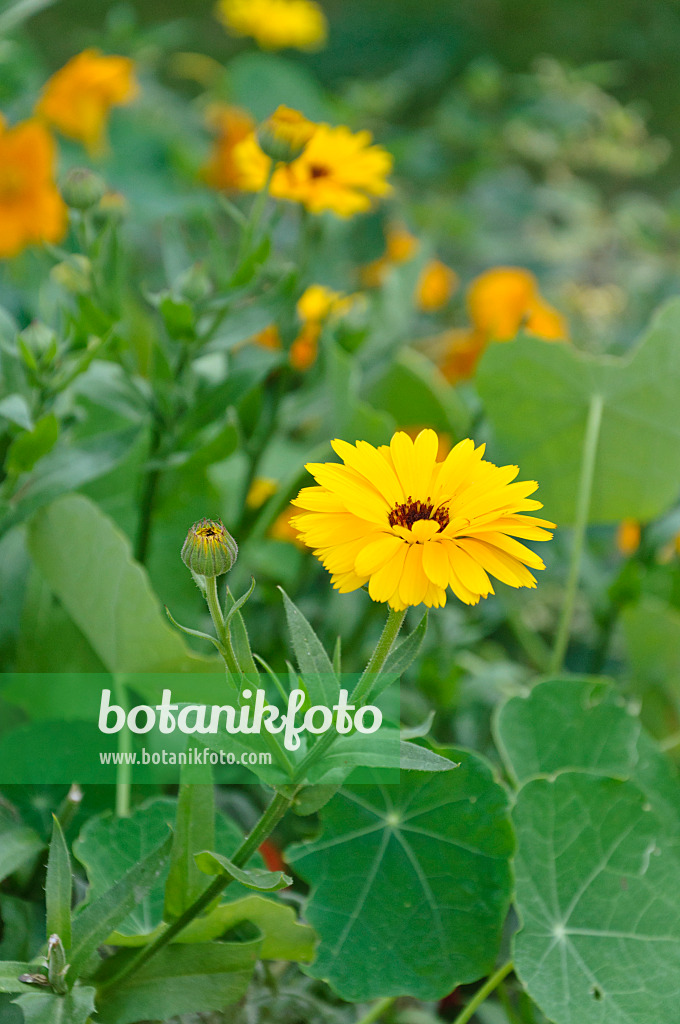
[(56, 964), (209, 549), (74, 274), (284, 135), (82, 188)]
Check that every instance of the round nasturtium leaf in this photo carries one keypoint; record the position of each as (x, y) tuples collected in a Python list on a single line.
[(597, 895), (410, 884), (540, 421)]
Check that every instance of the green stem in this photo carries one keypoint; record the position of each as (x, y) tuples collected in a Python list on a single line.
[(148, 497), (585, 488), (223, 633), (376, 1011), (123, 771), (264, 827), (479, 997), (361, 690)]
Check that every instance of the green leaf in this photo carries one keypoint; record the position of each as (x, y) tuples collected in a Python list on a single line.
[(597, 897), (314, 664), (31, 446), (93, 925), (181, 979), (87, 563), (15, 409), (194, 831), (384, 749), (260, 82), (58, 888), (262, 881), (11, 972), (410, 885), (415, 392), (312, 798), (638, 458), (567, 723), (75, 1007), (18, 844), (239, 637)]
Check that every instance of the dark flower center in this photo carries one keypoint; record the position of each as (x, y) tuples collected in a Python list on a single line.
[(318, 171), (410, 511)]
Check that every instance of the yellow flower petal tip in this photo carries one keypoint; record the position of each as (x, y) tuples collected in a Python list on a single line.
[(412, 525), (78, 98), (276, 24)]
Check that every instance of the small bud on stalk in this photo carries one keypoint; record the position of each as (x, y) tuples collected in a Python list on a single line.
[(209, 549), (284, 135), (56, 964), (82, 188)]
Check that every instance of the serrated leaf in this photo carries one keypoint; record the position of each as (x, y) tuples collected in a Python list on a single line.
[(181, 979), (58, 888), (194, 831), (262, 881), (410, 885), (75, 1007), (638, 455), (314, 664), (597, 897), (93, 925), (114, 607)]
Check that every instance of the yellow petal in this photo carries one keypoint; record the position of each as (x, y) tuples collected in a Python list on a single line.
[(373, 556), (436, 563)]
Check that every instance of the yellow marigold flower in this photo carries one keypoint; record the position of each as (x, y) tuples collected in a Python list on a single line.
[(31, 209), (410, 526), (78, 98), (505, 299), (232, 125), (435, 286), (628, 536), (261, 490), (338, 170), (305, 348), (281, 529), (276, 24), (462, 349)]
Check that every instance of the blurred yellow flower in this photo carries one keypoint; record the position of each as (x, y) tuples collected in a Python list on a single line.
[(628, 536), (411, 526), (284, 134), (400, 247), (318, 302), (436, 284), (231, 125), (275, 24), (282, 529), (501, 302), (77, 99), (261, 490), (31, 209), (268, 338), (506, 299), (305, 348)]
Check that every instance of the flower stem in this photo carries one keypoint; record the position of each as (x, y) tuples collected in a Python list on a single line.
[(123, 771), (264, 827), (223, 634), (376, 1011), (585, 489), (479, 997)]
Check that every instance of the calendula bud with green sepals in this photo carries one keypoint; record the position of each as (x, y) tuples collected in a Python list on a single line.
[(83, 188), (209, 549), (284, 135)]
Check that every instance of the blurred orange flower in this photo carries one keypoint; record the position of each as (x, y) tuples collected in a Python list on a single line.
[(31, 209), (77, 99), (275, 24), (231, 125), (628, 536), (400, 247), (436, 284)]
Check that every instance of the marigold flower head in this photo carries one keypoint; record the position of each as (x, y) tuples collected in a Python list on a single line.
[(305, 348), (261, 490), (276, 24), (77, 99), (284, 134), (410, 526), (209, 549), (436, 284), (31, 209), (232, 125), (505, 299)]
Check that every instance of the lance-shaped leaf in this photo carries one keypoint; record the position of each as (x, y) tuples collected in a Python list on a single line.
[(597, 899), (58, 888), (181, 979), (410, 885), (75, 1007), (313, 662), (638, 456), (253, 878), (194, 831)]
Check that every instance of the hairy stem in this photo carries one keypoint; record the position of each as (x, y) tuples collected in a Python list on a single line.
[(483, 993), (585, 489)]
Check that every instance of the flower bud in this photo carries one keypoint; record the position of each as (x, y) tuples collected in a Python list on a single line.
[(73, 274), (82, 188), (56, 964), (209, 549), (284, 134)]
